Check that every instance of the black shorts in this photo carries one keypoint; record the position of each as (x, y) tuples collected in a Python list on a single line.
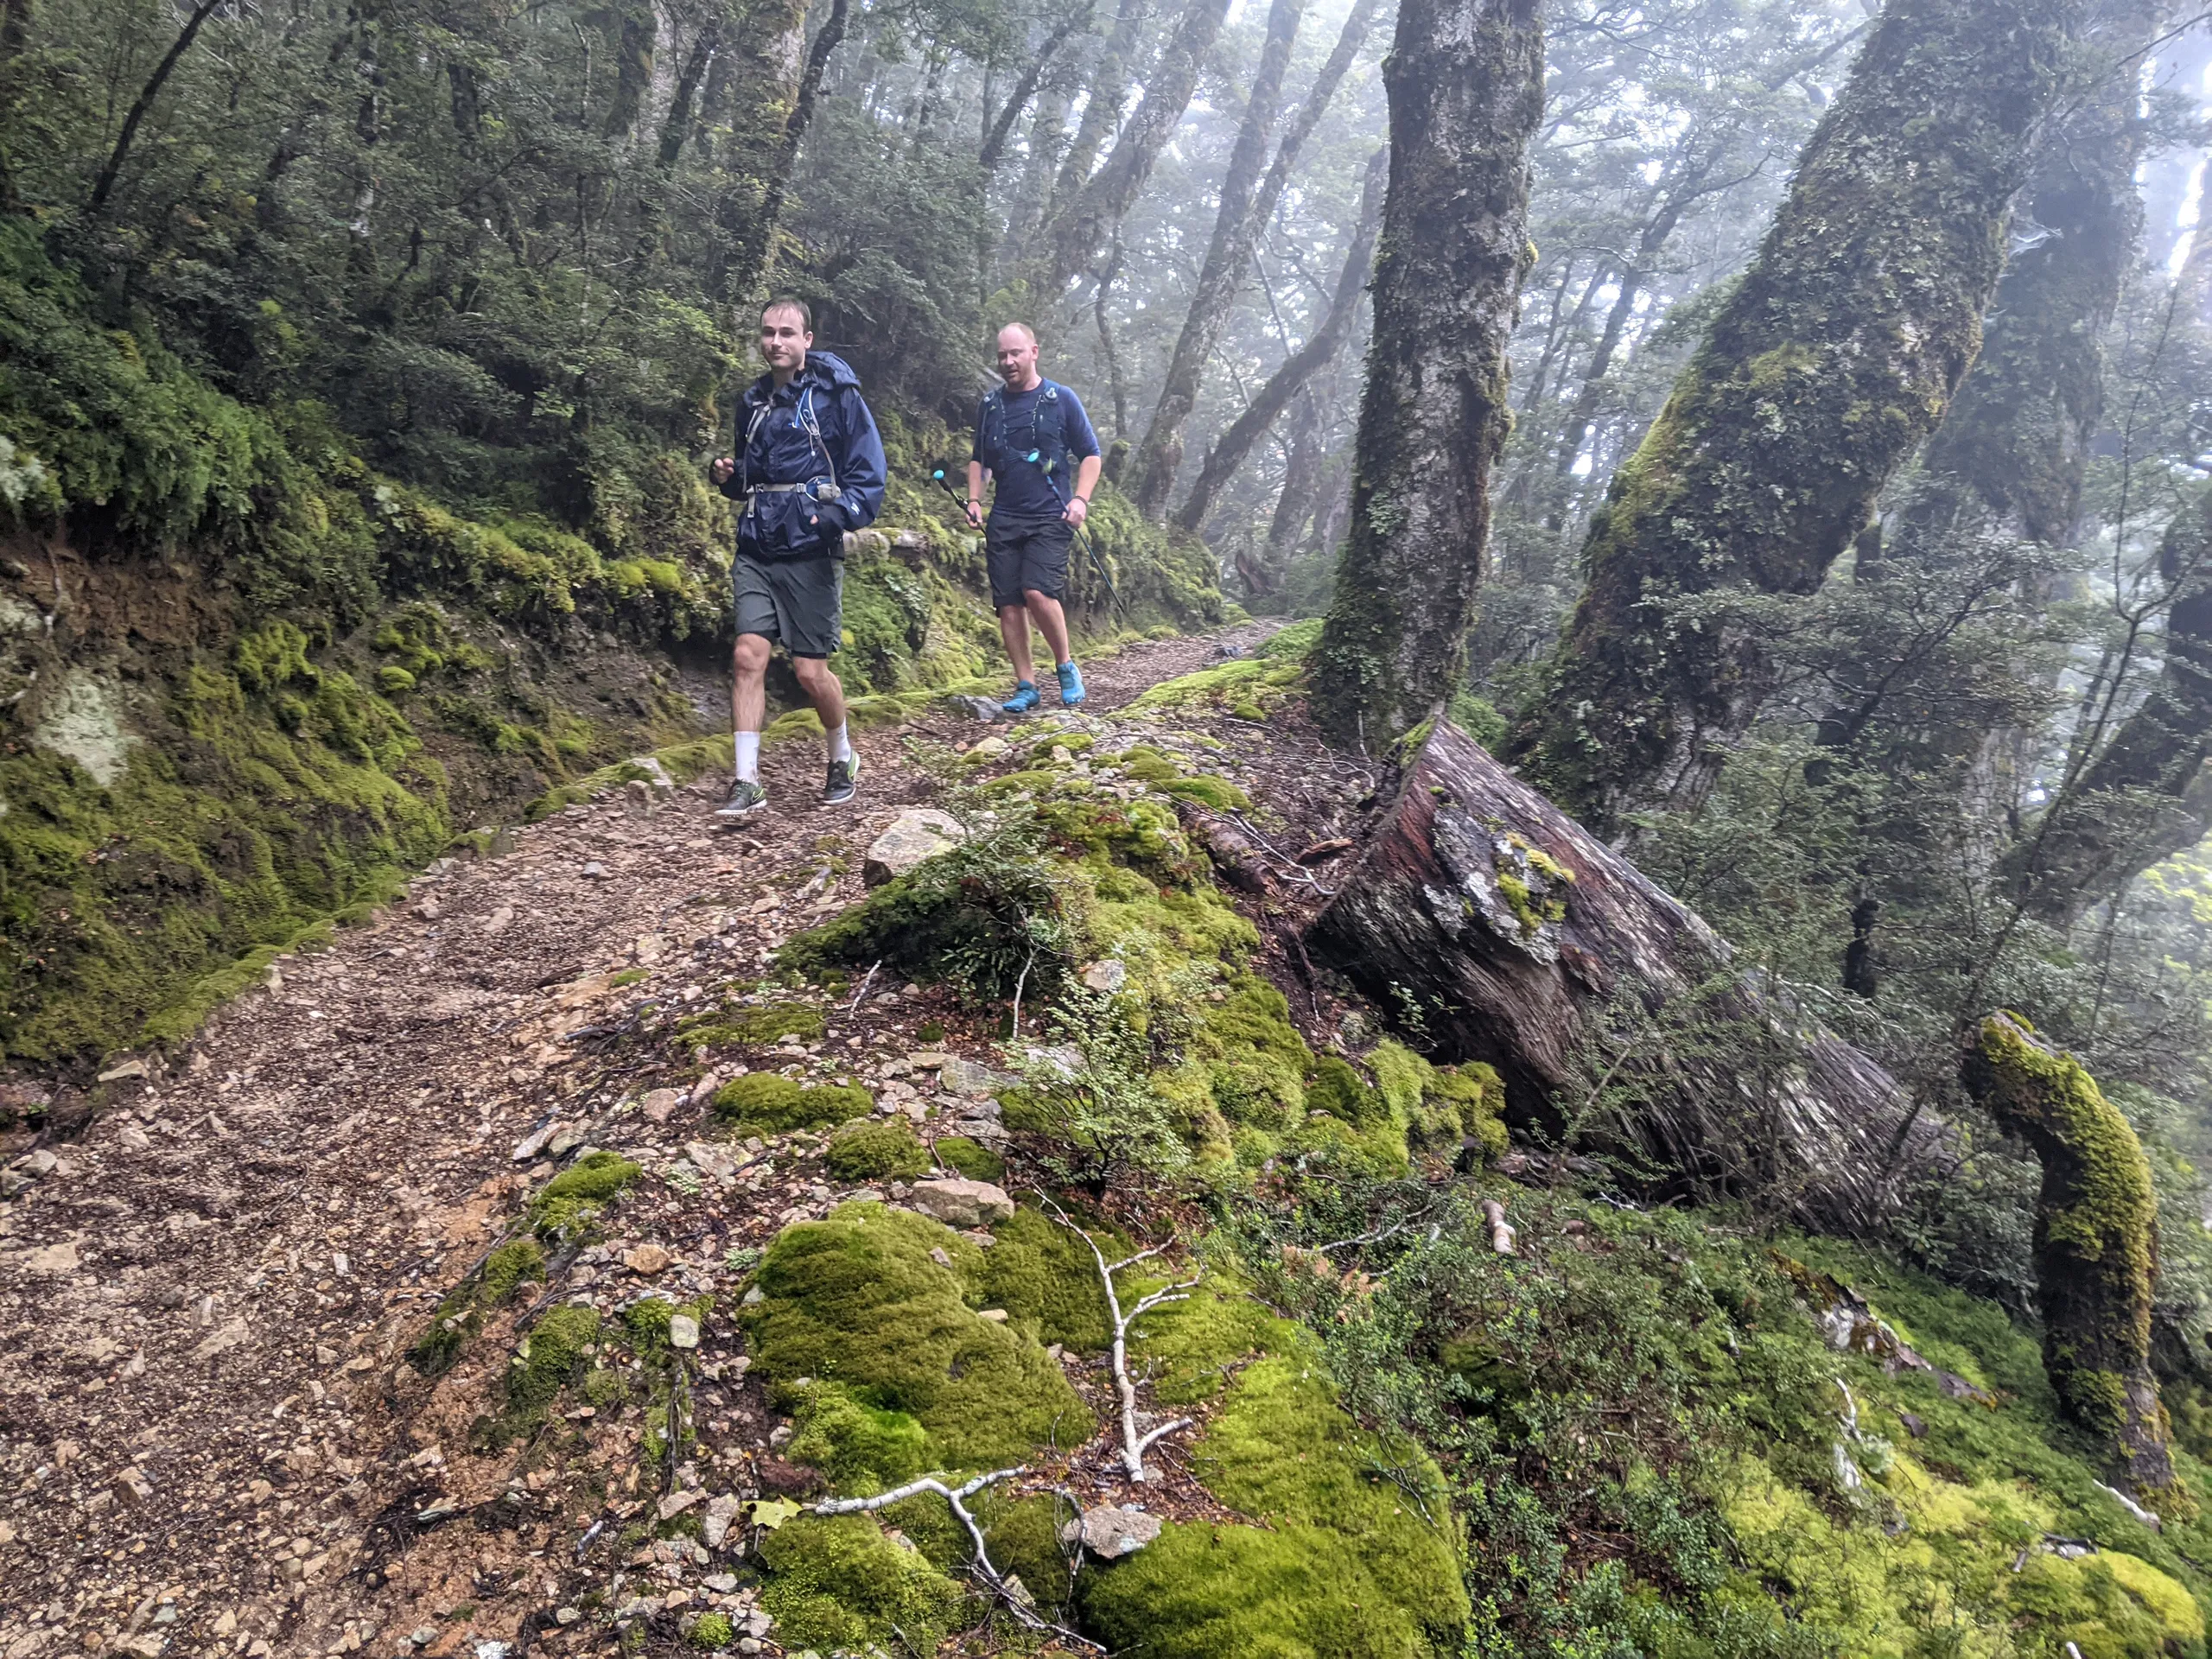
[(799, 602), (1027, 555)]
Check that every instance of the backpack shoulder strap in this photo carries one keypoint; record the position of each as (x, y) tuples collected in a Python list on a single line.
[(813, 430)]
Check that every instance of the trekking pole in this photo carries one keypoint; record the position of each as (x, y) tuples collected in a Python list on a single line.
[(1097, 562)]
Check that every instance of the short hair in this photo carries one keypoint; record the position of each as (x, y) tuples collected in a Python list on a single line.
[(791, 303), (1028, 333)]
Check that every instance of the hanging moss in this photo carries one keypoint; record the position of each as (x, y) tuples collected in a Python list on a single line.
[(2095, 1240)]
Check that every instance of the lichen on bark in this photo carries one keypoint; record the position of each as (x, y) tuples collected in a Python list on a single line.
[(1465, 81), (1824, 369), (2095, 1240)]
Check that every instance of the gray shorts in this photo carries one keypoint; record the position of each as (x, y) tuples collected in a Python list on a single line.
[(799, 602)]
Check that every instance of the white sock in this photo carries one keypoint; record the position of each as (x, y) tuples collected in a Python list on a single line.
[(748, 746), (841, 747)]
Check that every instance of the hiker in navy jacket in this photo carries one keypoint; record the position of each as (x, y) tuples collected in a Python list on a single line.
[(810, 472)]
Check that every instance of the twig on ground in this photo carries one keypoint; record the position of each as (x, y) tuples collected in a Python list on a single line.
[(860, 995), (1133, 1444), (1011, 1594)]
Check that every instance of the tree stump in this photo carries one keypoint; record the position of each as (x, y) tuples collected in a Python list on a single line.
[(1486, 916), (2096, 1240)]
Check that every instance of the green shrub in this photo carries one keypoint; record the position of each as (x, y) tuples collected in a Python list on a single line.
[(887, 1151)]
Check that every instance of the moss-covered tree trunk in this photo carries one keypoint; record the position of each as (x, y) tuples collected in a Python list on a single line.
[(760, 92), (2096, 1240), (1827, 366), (2147, 796), (2013, 446), (1466, 79)]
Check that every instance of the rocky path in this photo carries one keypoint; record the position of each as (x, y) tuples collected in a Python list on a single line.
[(204, 1300)]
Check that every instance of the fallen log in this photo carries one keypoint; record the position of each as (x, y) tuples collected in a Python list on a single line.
[(1499, 929)]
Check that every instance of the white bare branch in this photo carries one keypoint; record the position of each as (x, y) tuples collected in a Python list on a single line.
[(1133, 1443)]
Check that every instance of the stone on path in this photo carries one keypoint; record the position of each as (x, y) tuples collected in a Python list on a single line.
[(1111, 1534), (646, 1258), (964, 1076), (917, 833), (962, 1202)]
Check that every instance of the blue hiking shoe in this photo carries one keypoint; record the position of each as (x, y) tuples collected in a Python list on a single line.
[(1023, 700), (1070, 685)]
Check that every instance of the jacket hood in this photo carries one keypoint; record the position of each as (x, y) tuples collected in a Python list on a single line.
[(823, 370)]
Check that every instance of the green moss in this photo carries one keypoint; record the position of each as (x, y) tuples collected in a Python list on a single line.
[(646, 1324), (978, 1162), (764, 1102), (839, 1584), (550, 1357), (460, 1316), (1044, 1275), (1340, 1091), (712, 1631), (2095, 1239), (887, 1151), (758, 1027), (566, 1205), (859, 1301), (1344, 1563), (863, 1450), (1217, 793)]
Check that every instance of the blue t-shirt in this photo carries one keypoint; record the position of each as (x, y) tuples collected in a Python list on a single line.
[(1025, 490)]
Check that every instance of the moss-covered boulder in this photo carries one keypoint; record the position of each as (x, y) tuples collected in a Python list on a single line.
[(765, 1103), (1343, 1564), (860, 1301)]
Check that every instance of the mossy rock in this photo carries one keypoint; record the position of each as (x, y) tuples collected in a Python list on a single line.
[(1345, 1567), (1041, 1272), (838, 1584), (753, 1027), (888, 1151), (566, 1206), (861, 1448), (765, 1103), (971, 1158), (1217, 793), (550, 1357), (858, 1300), (1337, 1090)]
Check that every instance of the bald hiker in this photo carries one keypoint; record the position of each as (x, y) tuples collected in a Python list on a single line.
[(811, 469), (1034, 444)]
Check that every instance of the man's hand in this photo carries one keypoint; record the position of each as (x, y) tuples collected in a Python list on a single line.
[(975, 515), (1077, 511), (719, 472)]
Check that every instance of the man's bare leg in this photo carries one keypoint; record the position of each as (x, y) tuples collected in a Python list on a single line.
[(822, 690), (1052, 621), (1013, 628), (748, 692)]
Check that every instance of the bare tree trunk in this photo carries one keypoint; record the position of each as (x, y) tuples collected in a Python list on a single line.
[(1069, 244), (2096, 1240), (1243, 218), (1102, 109), (995, 141), (768, 62), (1523, 941), (753, 256), (1466, 86), (2147, 796), (144, 101), (1321, 347), (1825, 368)]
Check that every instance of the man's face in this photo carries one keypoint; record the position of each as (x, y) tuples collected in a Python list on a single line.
[(1017, 357), (784, 340)]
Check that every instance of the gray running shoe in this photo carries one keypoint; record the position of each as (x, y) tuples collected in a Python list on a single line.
[(744, 795), (844, 782)]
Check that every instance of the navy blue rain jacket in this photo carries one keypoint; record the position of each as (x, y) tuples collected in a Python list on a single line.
[(817, 432)]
